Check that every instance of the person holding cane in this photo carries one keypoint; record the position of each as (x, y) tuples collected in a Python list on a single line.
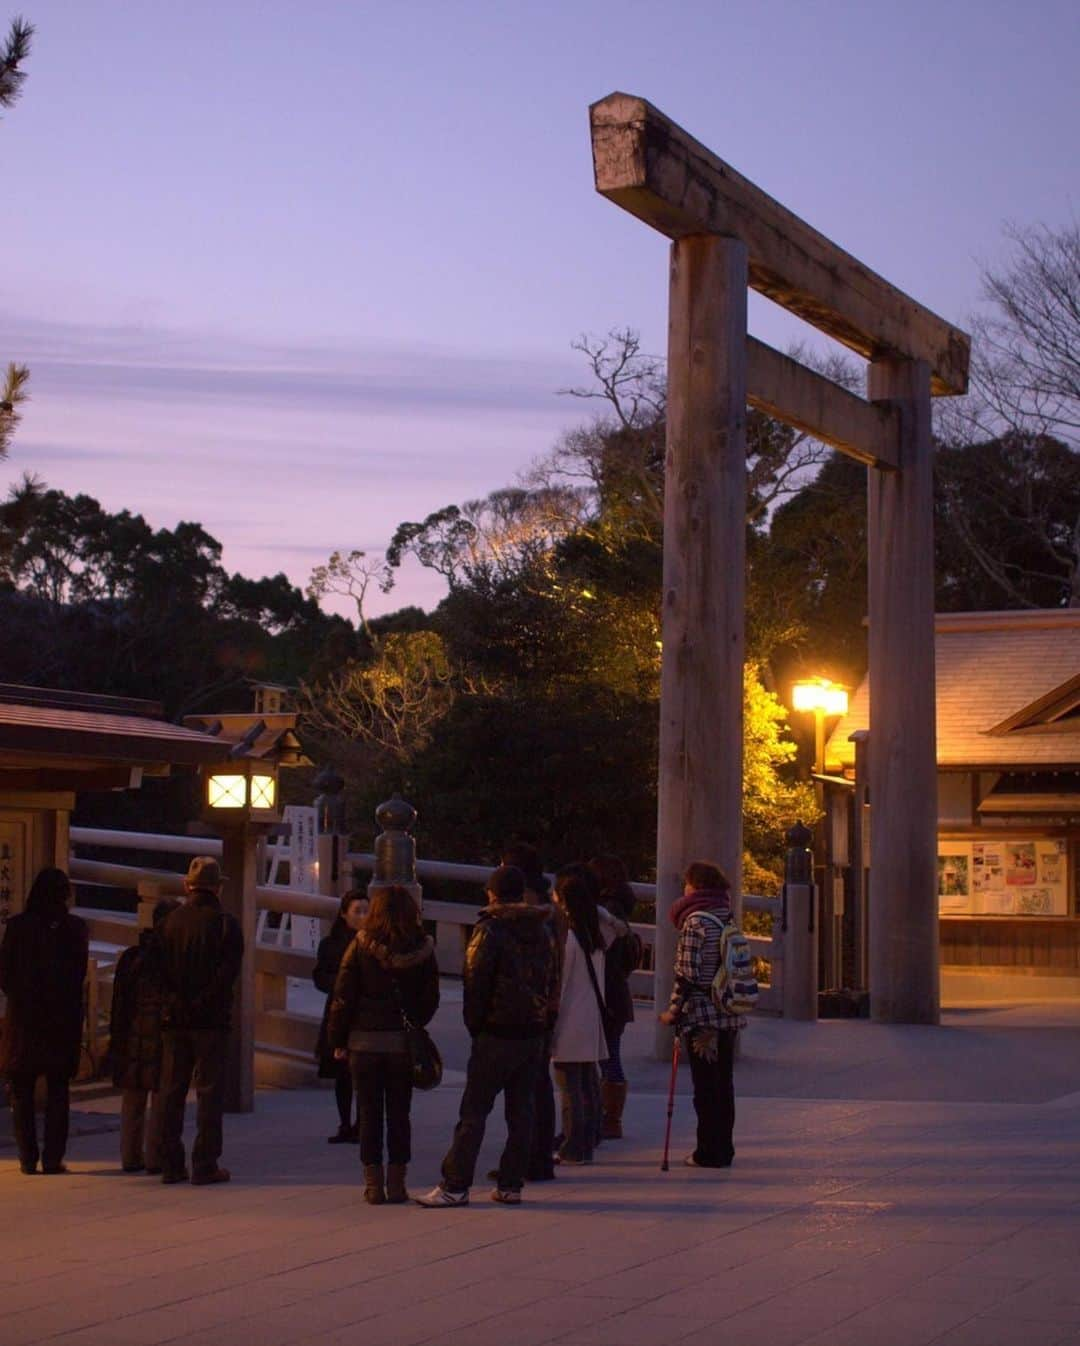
[(709, 1033)]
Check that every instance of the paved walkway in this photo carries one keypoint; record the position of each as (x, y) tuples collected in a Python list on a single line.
[(892, 1186)]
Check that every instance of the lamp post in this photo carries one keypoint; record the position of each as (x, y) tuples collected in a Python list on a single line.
[(824, 699), (240, 801)]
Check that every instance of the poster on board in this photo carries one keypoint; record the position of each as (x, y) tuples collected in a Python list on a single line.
[(954, 879), (1003, 877)]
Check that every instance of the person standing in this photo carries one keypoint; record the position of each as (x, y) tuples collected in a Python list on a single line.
[(622, 958), (197, 961), (579, 1042), (541, 1167), (709, 1033), (353, 909), (135, 1048), (388, 974), (43, 961), (509, 986)]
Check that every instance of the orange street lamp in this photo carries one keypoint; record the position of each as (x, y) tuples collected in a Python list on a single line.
[(824, 698)]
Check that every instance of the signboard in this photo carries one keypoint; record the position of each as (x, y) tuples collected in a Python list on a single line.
[(1003, 877)]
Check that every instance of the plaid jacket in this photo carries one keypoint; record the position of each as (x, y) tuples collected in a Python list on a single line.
[(697, 959)]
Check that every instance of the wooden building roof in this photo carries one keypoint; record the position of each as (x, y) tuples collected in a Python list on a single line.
[(1008, 693), (57, 740)]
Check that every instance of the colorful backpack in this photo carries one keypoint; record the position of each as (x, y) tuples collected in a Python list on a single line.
[(734, 989)]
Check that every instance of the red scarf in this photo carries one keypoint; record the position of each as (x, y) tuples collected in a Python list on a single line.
[(701, 899)]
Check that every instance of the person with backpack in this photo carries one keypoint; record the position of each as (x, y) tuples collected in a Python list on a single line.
[(332, 949), (524, 856), (135, 1048), (388, 976), (197, 960), (43, 962), (509, 993), (623, 957), (704, 920)]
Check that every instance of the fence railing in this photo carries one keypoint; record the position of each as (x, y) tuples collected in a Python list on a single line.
[(278, 1030)]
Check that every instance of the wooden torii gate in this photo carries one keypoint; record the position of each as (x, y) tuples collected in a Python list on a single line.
[(728, 234)]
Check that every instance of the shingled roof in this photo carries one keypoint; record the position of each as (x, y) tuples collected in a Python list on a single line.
[(1008, 692)]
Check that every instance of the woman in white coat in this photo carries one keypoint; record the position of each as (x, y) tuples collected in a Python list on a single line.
[(579, 1042)]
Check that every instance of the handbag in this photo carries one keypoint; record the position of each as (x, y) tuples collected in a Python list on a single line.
[(425, 1058)]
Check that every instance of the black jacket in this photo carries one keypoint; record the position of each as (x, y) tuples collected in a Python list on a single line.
[(327, 962), (511, 972), (623, 956), (373, 986), (197, 959), (42, 969), (135, 1019)]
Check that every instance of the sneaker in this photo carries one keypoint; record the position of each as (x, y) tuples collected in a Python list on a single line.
[(214, 1175), (442, 1196), (507, 1196)]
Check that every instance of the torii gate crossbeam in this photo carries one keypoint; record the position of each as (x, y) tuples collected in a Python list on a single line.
[(726, 235)]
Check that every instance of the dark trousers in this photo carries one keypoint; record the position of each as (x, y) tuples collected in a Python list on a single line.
[(24, 1123), (189, 1053), (384, 1089), (343, 1092), (495, 1065), (579, 1084), (541, 1165), (714, 1100), (140, 1129)]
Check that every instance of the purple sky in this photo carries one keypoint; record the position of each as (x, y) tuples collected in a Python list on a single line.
[(300, 271)]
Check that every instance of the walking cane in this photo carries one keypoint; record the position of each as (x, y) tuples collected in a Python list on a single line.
[(670, 1102)]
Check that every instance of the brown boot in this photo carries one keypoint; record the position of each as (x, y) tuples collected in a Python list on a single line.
[(373, 1184), (614, 1100), (396, 1192)]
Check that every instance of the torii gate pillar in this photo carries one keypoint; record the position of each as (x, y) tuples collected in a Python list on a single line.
[(903, 757), (702, 612)]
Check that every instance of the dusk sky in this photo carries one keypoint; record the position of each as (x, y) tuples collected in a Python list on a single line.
[(300, 271)]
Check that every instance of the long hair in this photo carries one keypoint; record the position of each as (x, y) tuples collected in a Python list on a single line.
[(49, 895), (577, 889), (615, 891), (393, 919)]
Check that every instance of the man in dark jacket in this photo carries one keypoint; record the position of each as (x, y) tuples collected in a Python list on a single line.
[(198, 959), (511, 997)]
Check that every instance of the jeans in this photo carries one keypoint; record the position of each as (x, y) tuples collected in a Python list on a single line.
[(495, 1064), (714, 1100), (24, 1123), (384, 1088), (140, 1136), (579, 1084), (611, 1070), (198, 1053)]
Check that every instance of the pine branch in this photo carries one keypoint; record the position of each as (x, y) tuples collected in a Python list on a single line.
[(15, 50)]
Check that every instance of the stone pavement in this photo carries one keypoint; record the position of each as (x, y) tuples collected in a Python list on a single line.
[(893, 1186)]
